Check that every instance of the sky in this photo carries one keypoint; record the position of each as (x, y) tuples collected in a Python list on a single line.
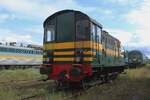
[(127, 20)]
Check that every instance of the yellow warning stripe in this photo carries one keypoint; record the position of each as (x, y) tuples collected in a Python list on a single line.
[(69, 59), (64, 59), (88, 59), (67, 45), (79, 44), (64, 53), (21, 57)]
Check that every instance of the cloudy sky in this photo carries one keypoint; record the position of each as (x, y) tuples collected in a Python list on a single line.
[(128, 20)]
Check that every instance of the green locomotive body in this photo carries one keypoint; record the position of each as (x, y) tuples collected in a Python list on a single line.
[(76, 47)]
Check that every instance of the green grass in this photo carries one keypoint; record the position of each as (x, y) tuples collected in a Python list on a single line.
[(8, 92), (135, 85), (19, 74)]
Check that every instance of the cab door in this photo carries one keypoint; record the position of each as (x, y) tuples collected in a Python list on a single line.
[(96, 41), (99, 46), (103, 48)]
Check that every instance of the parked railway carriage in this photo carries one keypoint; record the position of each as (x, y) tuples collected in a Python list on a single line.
[(136, 58), (13, 56), (76, 47)]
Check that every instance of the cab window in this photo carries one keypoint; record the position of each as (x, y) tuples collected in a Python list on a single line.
[(50, 34), (65, 27), (99, 33), (82, 30), (82, 27), (49, 31), (93, 32)]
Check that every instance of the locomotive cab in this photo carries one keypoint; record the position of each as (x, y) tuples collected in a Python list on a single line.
[(67, 45)]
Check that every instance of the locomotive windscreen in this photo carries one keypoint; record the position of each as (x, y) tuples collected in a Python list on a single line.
[(65, 27), (69, 26), (82, 28)]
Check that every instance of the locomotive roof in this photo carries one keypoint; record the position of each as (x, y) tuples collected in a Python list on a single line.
[(66, 11), (135, 51), (107, 33)]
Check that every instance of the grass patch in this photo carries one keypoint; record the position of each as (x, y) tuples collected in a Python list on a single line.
[(9, 93), (135, 85), (18, 74)]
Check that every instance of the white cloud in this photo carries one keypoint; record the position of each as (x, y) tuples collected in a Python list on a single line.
[(131, 41), (124, 2), (4, 17), (38, 9), (139, 17), (35, 29), (26, 7), (10, 36), (122, 35)]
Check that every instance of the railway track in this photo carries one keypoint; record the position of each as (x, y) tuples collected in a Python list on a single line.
[(14, 67), (49, 85), (31, 89), (14, 81), (27, 84), (70, 94), (27, 89)]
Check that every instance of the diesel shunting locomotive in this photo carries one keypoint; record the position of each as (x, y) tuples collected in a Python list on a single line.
[(76, 48)]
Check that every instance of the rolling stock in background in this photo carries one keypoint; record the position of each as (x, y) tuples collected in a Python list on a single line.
[(13, 56), (77, 49), (136, 58)]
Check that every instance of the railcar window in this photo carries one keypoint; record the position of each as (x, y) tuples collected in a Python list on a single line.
[(93, 31), (99, 32), (28, 51), (82, 27), (82, 30), (1, 49), (50, 34)]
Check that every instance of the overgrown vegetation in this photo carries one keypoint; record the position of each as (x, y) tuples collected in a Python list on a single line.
[(18, 74), (7, 92), (13, 77), (134, 85)]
